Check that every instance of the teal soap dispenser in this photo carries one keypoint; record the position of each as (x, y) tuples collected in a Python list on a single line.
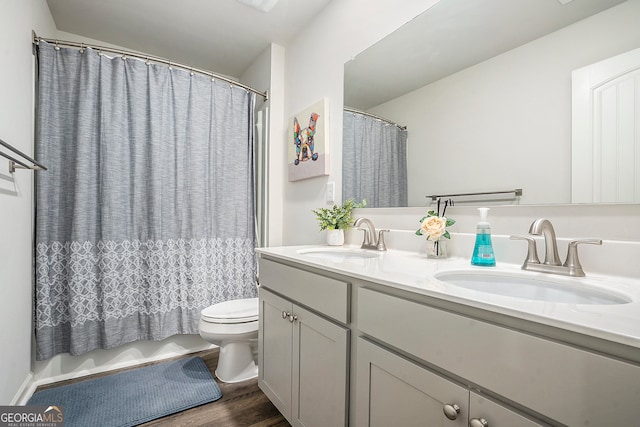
[(483, 249)]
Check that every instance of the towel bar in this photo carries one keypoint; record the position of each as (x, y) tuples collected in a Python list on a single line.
[(15, 163)]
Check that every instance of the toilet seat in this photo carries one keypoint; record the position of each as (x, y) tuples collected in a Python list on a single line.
[(230, 312)]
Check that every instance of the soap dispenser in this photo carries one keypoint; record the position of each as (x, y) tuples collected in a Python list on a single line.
[(483, 249)]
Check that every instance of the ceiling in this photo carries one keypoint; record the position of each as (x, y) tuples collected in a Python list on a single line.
[(451, 36), (223, 36)]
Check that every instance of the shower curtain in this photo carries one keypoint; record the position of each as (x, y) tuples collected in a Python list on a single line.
[(146, 214), (374, 161)]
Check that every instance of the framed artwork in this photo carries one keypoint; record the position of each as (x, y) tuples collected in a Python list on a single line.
[(306, 135)]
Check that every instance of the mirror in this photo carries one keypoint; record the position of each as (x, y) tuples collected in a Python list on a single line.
[(484, 89)]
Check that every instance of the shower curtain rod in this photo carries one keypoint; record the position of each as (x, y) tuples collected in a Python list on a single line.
[(364, 113), (146, 58)]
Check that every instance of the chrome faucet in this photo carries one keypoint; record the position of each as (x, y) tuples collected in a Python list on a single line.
[(552, 263), (543, 227), (370, 241)]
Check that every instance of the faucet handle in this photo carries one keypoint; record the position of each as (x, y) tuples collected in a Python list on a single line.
[(573, 262), (532, 250), (380, 243)]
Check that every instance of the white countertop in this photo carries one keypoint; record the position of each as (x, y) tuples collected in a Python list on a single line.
[(415, 272)]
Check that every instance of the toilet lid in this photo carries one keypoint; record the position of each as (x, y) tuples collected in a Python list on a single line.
[(234, 311)]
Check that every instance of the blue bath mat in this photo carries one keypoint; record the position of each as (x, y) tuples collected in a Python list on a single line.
[(133, 397)]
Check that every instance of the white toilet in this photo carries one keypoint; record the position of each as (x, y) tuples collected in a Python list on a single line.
[(233, 325)]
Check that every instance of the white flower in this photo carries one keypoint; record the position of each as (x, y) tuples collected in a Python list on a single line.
[(433, 227)]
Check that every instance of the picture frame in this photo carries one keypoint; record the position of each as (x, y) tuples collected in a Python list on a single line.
[(308, 152)]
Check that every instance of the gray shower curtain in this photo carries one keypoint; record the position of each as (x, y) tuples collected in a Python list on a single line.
[(146, 214), (374, 161)]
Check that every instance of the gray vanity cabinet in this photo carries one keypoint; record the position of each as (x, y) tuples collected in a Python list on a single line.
[(337, 350), (303, 354), (560, 382), (275, 351), (392, 390)]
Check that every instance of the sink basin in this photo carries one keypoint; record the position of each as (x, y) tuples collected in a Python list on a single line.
[(548, 288), (338, 254)]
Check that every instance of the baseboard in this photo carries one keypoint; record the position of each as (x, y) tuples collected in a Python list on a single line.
[(24, 392)]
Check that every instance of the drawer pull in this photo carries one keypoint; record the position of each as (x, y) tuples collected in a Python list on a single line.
[(451, 411), (285, 314), (292, 318), (478, 422)]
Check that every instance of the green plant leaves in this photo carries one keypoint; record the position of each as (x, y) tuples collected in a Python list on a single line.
[(337, 217)]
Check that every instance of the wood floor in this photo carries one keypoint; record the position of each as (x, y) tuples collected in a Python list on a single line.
[(242, 404)]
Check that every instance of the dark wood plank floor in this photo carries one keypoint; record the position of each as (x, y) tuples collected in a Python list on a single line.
[(242, 404)]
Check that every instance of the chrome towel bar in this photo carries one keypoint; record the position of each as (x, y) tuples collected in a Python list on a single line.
[(15, 163), (517, 192)]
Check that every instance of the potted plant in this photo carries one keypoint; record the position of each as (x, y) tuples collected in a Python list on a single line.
[(337, 219)]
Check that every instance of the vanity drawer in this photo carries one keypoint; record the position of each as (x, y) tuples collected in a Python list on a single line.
[(323, 294), (564, 383)]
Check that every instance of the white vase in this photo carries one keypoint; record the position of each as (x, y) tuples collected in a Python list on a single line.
[(335, 237), (437, 248)]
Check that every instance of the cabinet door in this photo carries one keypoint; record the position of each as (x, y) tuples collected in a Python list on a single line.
[(320, 360), (392, 391), (495, 415), (275, 350)]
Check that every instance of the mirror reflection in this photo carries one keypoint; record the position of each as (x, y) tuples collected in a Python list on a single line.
[(484, 89), (374, 160)]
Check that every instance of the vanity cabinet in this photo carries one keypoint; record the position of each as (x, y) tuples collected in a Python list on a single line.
[(548, 380), (392, 390), (303, 353), (343, 349)]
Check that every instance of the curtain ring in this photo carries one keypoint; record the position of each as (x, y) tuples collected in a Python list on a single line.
[(191, 72), (124, 56), (57, 46), (81, 47), (147, 61), (170, 68), (100, 52)]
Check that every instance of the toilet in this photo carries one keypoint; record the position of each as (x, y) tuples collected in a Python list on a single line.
[(233, 326)]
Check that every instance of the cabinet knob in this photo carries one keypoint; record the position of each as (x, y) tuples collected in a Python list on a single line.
[(478, 422), (285, 314), (292, 318), (451, 411)]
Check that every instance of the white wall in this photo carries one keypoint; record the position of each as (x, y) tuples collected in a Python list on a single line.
[(313, 71), (511, 113), (277, 167), (17, 19)]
